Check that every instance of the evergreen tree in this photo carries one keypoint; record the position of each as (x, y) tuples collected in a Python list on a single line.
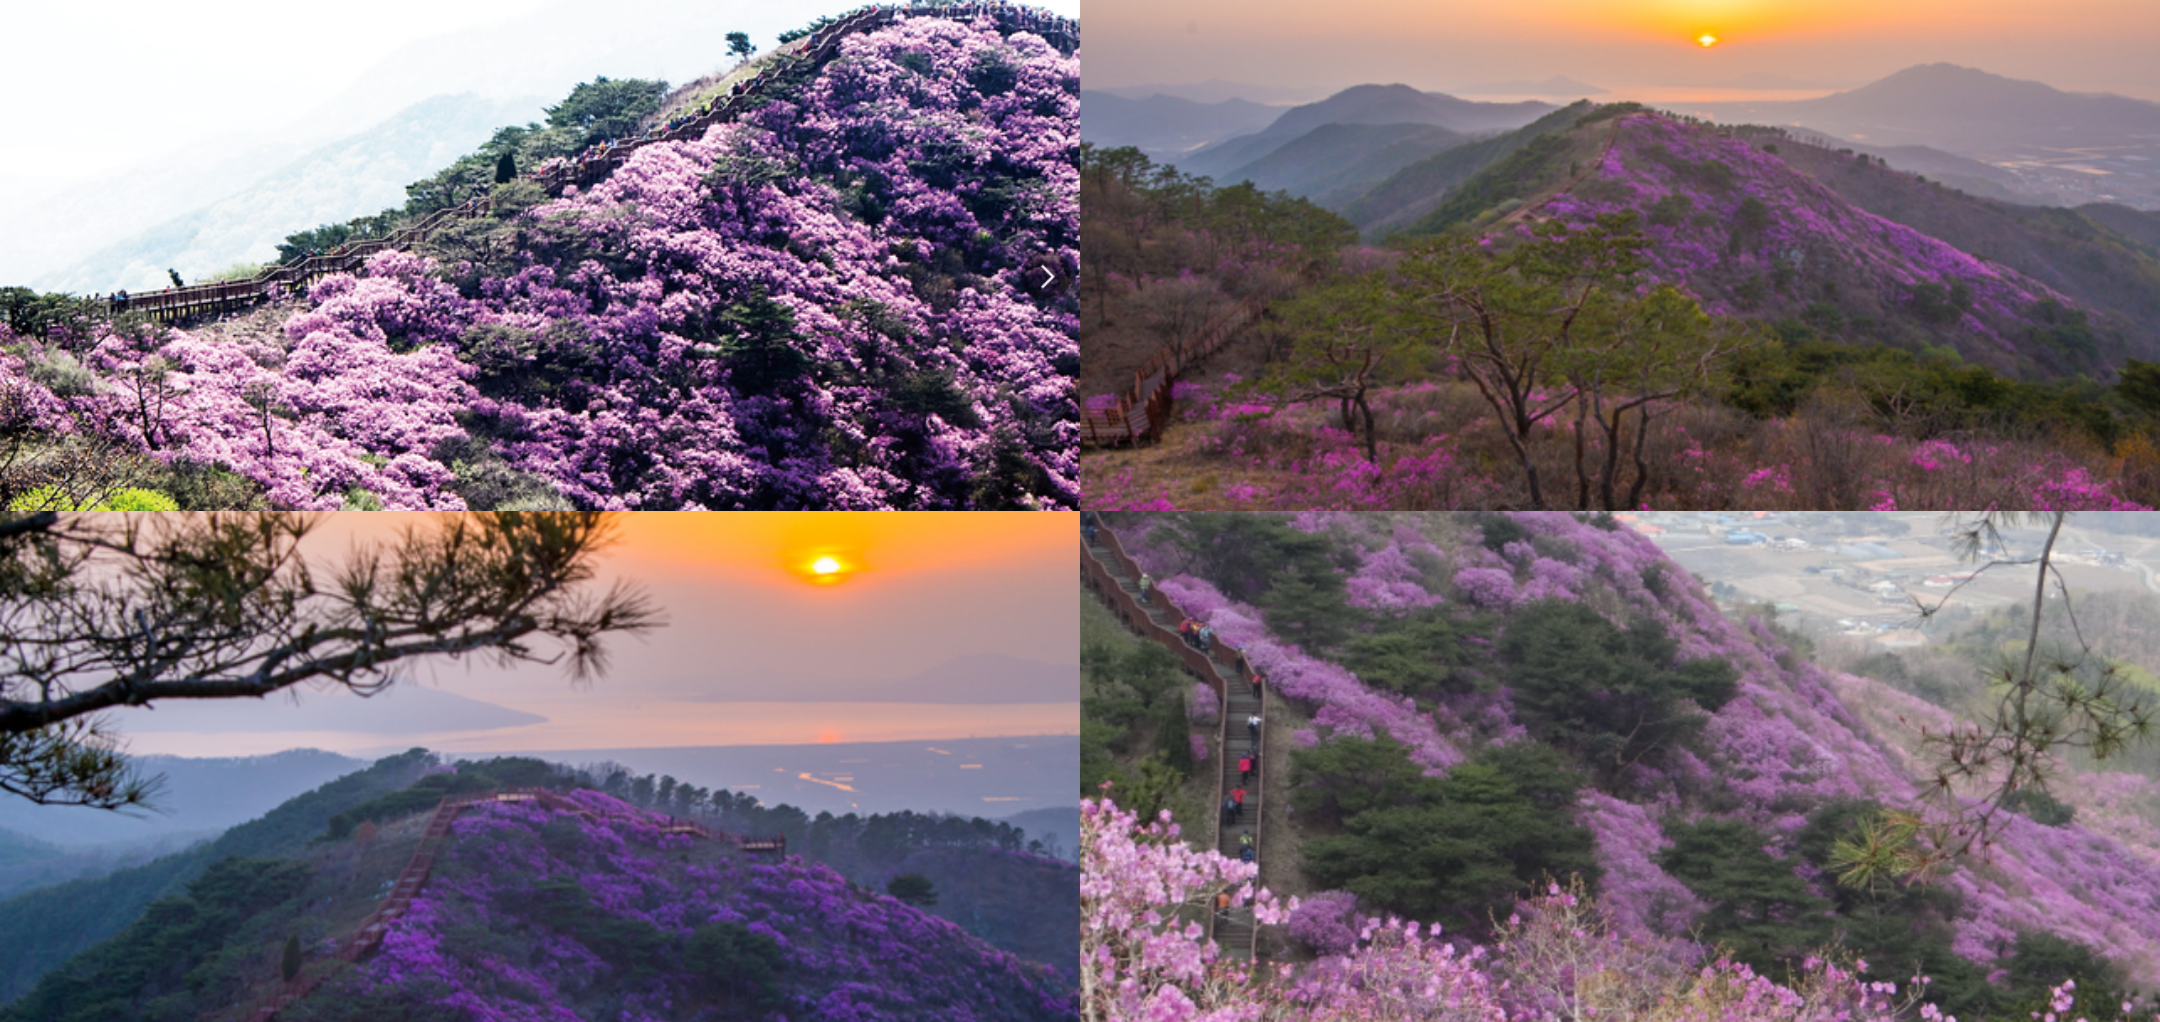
[(1759, 908), (914, 889), (505, 168), (290, 966), (1461, 847)]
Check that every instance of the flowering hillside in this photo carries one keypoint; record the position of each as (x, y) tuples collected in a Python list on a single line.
[(1734, 223), (1714, 769), (540, 914), (833, 302)]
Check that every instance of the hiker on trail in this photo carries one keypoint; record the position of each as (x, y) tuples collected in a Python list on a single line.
[(1207, 635), (1189, 632), (1244, 841), (120, 300), (1246, 855), (175, 275), (1087, 526), (1229, 810), (1244, 766), (1147, 585), (1252, 724), (1256, 684), (1237, 795), (1222, 903)]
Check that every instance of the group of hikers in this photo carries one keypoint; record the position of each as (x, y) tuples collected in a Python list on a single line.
[(1233, 806), (119, 299)]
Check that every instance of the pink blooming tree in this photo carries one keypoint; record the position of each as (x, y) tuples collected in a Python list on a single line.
[(1143, 951)]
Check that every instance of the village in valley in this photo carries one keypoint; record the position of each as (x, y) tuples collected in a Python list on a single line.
[(1867, 575)]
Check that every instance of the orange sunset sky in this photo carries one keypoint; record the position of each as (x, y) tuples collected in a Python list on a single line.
[(749, 617), (1630, 46)]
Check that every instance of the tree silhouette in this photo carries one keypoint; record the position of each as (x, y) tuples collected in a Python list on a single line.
[(98, 612), (738, 45), (913, 888)]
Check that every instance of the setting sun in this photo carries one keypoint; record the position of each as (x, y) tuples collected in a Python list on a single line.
[(828, 569), (1707, 40)]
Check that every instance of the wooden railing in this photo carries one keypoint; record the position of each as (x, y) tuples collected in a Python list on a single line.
[(1104, 580), (1143, 412), (1106, 569), (588, 167)]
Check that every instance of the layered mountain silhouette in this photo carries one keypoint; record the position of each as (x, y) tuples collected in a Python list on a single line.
[(1335, 147), (1963, 109), (1916, 237), (1167, 127), (1763, 225)]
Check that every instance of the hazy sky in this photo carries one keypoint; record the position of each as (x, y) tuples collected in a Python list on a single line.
[(747, 620), (99, 82), (2084, 45)]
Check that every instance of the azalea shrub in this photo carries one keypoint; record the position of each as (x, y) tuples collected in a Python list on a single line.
[(1556, 957), (563, 912), (831, 302)]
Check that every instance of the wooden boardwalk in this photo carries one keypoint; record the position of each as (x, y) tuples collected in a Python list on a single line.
[(1142, 413), (1114, 577)]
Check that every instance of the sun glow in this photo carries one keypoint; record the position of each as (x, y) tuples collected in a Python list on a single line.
[(826, 568), (1706, 40)]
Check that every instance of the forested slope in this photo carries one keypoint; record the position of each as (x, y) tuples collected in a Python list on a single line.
[(1470, 703)]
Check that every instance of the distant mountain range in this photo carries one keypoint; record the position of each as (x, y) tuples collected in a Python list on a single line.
[(360, 174), (2062, 147), (1963, 109), (1929, 229), (200, 797), (1167, 127), (1235, 140)]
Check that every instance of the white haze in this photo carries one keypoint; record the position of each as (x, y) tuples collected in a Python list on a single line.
[(131, 115)]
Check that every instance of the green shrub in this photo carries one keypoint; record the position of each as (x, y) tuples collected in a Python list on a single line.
[(130, 498), (1456, 848)]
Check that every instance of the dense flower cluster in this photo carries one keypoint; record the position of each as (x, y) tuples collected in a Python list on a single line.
[(565, 899), (1141, 954), (1146, 960), (1721, 213), (825, 304)]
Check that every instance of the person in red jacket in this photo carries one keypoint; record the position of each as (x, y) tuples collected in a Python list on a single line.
[(1244, 765)]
